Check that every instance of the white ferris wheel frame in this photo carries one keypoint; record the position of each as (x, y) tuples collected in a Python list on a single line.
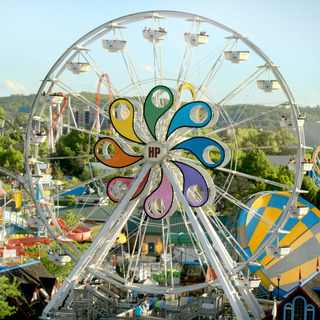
[(52, 77)]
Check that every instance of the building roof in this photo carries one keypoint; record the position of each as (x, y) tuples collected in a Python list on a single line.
[(309, 286)]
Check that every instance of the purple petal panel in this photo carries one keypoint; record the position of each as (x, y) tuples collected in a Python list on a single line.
[(193, 179)]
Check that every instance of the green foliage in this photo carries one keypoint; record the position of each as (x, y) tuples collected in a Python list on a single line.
[(160, 277), (60, 272), (313, 194), (10, 156), (76, 145), (68, 200), (71, 218), (275, 141), (7, 290)]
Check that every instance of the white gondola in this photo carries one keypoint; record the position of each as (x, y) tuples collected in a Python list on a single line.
[(39, 135), (268, 85), (79, 67), (236, 56), (285, 122), (196, 39), (300, 212), (154, 35), (307, 166), (277, 252), (292, 165), (254, 282), (56, 98), (114, 45), (59, 258), (301, 120)]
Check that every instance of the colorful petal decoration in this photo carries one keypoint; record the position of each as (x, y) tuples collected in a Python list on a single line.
[(195, 188), (196, 114), (122, 118), (118, 186), (109, 152), (157, 103), (158, 204), (210, 153)]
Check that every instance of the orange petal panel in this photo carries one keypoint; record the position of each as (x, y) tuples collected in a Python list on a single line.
[(109, 152)]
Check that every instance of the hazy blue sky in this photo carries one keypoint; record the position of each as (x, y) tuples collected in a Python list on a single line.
[(35, 32)]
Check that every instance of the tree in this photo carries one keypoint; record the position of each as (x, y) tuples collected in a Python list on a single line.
[(7, 290), (76, 145), (255, 162), (10, 157), (313, 194)]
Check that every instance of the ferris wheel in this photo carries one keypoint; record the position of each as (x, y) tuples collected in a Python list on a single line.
[(162, 153)]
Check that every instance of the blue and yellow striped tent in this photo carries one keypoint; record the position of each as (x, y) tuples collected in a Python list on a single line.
[(303, 239)]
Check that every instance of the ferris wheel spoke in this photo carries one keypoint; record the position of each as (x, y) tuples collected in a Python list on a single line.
[(216, 66), (241, 86), (229, 237), (87, 182), (255, 178), (99, 72), (87, 156), (133, 75), (135, 247), (241, 122), (195, 242), (138, 256), (90, 133), (184, 63), (243, 206)]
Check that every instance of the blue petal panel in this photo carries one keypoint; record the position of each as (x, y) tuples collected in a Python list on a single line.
[(198, 146), (183, 117)]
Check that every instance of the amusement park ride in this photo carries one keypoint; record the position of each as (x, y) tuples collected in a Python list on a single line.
[(164, 152)]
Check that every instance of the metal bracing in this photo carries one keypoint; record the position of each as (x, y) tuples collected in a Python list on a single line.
[(241, 86), (241, 205), (229, 264), (152, 289), (101, 243), (216, 66), (222, 275)]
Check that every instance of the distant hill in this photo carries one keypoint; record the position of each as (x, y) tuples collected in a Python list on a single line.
[(22, 103), (16, 103)]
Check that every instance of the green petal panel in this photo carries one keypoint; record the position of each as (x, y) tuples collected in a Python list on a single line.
[(157, 103)]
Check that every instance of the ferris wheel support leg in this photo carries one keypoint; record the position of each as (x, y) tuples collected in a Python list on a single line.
[(86, 258), (229, 264), (223, 277)]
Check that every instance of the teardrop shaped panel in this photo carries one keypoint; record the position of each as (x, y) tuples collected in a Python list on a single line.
[(159, 203), (109, 152), (208, 151), (157, 103), (196, 114), (195, 187), (118, 186), (122, 118)]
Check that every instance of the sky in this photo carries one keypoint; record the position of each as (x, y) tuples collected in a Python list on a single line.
[(34, 34)]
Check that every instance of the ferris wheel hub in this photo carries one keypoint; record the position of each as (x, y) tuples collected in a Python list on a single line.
[(155, 152)]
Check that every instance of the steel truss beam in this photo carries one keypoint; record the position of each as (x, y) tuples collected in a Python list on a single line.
[(100, 246)]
